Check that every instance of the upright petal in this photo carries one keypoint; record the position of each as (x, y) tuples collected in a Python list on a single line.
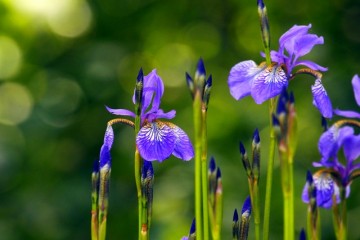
[(287, 40), (268, 83), (183, 147), (155, 141), (241, 77), (153, 90), (351, 147), (304, 44), (321, 99), (356, 86)]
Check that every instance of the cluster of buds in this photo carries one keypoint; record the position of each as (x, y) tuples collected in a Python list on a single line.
[(100, 187), (199, 86), (240, 227), (215, 198), (252, 170), (285, 125)]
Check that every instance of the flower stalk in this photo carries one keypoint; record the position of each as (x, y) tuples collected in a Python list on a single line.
[(253, 174), (215, 199), (200, 92), (94, 202), (285, 126)]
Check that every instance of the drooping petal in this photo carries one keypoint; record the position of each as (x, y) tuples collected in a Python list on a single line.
[(268, 83), (327, 144), (183, 147), (109, 137), (325, 189), (121, 112), (305, 43), (356, 86), (347, 114), (155, 141), (311, 65), (241, 77), (321, 100)]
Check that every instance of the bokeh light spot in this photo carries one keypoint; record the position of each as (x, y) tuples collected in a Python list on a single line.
[(72, 21), (173, 59), (60, 100), (15, 103), (10, 57), (68, 18), (204, 38)]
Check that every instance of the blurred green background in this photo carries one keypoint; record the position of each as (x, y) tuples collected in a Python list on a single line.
[(61, 61)]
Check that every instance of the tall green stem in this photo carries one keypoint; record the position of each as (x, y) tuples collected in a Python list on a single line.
[(288, 195), (269, 175), (204, 176), (198, 163), (343, 221), (256, 209), (138, 163)]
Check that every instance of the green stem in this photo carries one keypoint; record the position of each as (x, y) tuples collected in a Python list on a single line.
[(138, 163), (198, 163), (269, 175), (256, 209), (343, 222), (288, 195), (204, 175)]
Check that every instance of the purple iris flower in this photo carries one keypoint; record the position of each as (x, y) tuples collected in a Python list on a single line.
[(335, 174), (263, 81), (356, 87), (157, 140)]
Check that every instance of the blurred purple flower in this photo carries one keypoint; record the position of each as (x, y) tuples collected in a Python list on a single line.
[(335, 174), (157, 140), (263, 82)]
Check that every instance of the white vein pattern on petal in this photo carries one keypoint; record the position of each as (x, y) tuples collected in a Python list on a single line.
[(155, 141), (274, 75)]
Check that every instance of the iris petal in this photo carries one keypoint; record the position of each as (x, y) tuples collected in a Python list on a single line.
[(269, 83), (311, 64), (325, 189), (356, 86), (351, 147), (155, 141), (304, 44), (183, 147), (287, 40), (122, 112), (347, 114), (241, 77), (321, 99)]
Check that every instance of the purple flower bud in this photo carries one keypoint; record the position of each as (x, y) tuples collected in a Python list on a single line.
[(235, 216), (212, 164), (246, 209), (200, 70), (256, 137)]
